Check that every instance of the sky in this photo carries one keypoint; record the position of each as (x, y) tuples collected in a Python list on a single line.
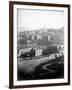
[(29, 19)]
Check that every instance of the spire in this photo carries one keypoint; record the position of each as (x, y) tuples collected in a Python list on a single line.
[(44, 29)]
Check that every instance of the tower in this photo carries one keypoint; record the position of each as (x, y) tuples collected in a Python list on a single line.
[(44, 29)]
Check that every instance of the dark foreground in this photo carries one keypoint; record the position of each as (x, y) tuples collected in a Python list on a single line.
[(52, 69)]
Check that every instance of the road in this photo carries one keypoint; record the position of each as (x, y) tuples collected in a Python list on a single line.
[(29, 65)]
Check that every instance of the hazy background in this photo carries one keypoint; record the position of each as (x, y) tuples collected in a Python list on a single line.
[(29, 19)]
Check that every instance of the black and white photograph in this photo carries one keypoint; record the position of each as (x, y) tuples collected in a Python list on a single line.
[(40, 41), (40, 44)]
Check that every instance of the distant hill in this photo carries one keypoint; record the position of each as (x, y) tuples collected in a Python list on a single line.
[(56, 36)]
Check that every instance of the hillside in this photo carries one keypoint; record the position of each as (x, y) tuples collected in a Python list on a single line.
[(41, 37)]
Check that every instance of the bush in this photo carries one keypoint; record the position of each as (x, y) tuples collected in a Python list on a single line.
[(50, 50)]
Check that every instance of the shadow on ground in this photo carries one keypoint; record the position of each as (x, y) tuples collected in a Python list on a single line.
[(52, 69)]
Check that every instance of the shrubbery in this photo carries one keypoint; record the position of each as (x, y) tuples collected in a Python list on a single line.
[(50, 50)]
